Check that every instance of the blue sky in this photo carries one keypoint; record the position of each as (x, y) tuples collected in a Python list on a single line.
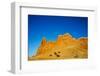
[(50, 27)]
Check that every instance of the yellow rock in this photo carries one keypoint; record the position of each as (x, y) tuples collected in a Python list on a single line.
[(66, 47)]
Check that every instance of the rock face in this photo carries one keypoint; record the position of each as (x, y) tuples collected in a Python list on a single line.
[(65, 47)]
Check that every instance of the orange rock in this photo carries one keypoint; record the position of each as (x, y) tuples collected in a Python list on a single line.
[(83, 42), (43, 43), (65, 47)]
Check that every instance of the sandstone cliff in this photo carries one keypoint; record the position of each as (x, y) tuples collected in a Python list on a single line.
[(65, 47)]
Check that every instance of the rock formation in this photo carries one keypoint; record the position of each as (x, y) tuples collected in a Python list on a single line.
[(65, 47)]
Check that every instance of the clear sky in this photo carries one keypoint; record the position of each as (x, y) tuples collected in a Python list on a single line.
[(50, 27)]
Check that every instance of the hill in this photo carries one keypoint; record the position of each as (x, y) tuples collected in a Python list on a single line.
[(65, 47)]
